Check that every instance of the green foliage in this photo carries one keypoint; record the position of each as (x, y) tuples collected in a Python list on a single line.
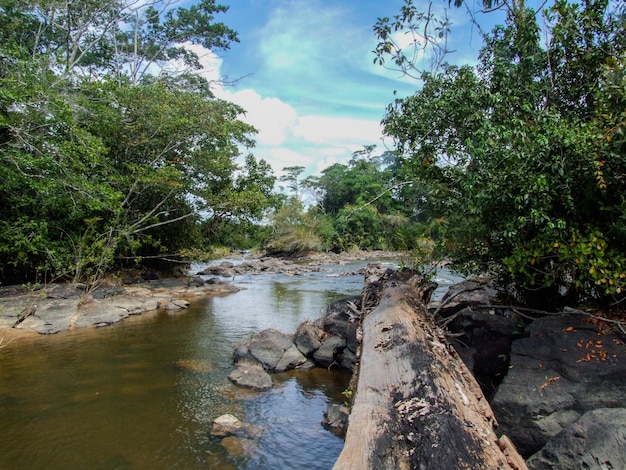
[(522, 157), (293, 230), (103, 164)]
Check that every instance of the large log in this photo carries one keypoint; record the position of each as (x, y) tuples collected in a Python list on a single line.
[(416, 405)]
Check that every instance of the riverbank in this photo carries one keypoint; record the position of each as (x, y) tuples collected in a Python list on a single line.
[(52, 308)]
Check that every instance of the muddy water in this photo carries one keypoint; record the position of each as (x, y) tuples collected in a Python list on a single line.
[(142, 394)]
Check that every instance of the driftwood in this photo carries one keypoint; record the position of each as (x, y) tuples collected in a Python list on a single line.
[(416, 405)]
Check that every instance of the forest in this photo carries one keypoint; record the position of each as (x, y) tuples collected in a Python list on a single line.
[(115, 153)]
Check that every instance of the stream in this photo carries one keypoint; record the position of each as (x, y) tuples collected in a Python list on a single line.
[(142, 394)]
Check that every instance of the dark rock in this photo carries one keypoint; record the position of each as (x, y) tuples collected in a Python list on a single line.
[(242, 351), (483, 339), (250, 374), (465, 294), (596, 440), (564, 368), (326, 355), (291, 359), (307, 338), (197, 281), (341, 320), (347, 359), (268, 347), (336, 419)]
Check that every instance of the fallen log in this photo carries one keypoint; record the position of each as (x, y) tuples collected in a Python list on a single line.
[(415, 404)]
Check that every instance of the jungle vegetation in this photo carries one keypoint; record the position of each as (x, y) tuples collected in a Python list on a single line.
[(114, 153)]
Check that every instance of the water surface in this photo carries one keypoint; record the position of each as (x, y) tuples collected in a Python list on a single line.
[(142, 394)]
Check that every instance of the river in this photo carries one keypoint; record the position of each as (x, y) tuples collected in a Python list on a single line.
[(142, 394)]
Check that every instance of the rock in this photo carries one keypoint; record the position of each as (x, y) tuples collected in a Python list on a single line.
[(177, 304), (238, 448), (307, 338), (483, 339), (596, 440), (229, 425), (341, 320), (347, 359), (465, 294), (336, 419), (251, 374), (197, 281), (241, 351), (268, 347), (565, 367), (327, 353), (292, 358)]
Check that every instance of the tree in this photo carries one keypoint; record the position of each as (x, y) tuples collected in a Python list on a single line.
[(516, 156), (108, 157)]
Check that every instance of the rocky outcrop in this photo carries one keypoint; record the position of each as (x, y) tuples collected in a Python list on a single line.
[(567, 366), (596, 440), (250, 374)]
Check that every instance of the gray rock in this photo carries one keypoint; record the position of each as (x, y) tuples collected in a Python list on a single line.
[(177, 304), (268, 347), (292, 358), (307, 338), (562, 369), (328, 352), (596, 441), (250, 374), (347, 359), (467, 293), (242, 351), (336, 419), (229, 425)]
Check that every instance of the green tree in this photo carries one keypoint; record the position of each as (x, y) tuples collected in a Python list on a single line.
[(104, 164), (515, 156)]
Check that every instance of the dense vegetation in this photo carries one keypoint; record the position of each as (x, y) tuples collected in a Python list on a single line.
[(523, 157), (115, 153)]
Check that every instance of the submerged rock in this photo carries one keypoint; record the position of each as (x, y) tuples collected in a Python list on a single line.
[(229, 425)]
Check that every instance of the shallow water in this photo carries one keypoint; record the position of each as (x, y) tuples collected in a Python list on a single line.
[(142, 394)]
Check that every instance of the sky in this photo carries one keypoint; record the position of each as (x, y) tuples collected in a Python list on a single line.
[(303, 71)]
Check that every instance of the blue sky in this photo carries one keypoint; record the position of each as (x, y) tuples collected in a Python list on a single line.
[(305, 75)]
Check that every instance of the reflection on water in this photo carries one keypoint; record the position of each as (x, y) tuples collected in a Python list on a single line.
[(142, 394)]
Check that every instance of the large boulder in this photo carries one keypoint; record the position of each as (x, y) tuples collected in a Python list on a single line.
[(568, 365), (465, 294), (596, 440)]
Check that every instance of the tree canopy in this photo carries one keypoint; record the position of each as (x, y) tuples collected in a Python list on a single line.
[(523, 156), (112, 148)]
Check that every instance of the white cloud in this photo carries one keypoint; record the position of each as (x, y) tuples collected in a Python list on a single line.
[(273, 118), (346, 131)]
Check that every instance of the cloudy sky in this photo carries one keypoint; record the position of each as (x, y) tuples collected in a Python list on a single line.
[(304, 72)]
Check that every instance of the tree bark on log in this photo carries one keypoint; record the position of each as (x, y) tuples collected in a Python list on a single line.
[(416, 405)]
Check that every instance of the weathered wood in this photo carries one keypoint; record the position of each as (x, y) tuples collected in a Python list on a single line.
[(416, 405)]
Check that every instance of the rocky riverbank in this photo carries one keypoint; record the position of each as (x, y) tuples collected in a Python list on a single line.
[(49, 309), (58, 307)]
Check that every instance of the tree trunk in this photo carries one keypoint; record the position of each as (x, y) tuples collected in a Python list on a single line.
[(416, 405)]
